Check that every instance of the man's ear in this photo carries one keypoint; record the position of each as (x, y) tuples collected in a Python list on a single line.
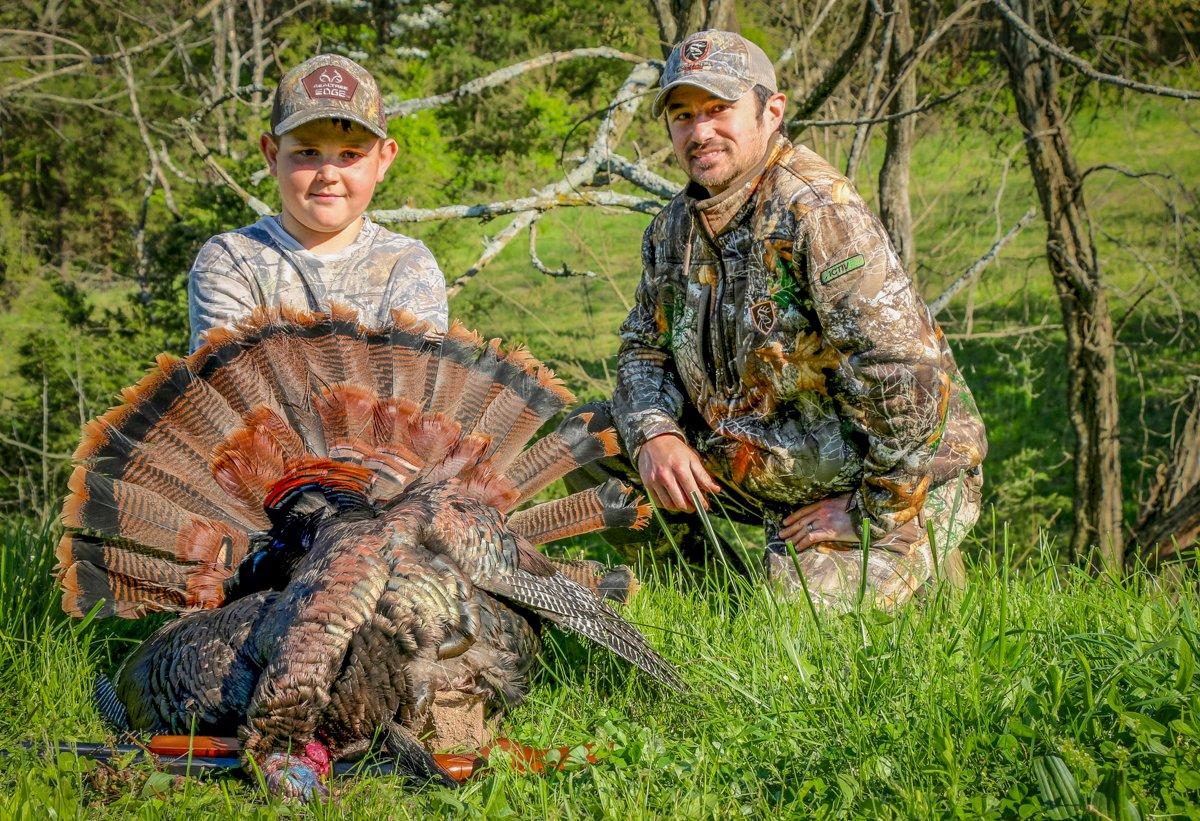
[(387, 153), (776, 105), (270, 150)]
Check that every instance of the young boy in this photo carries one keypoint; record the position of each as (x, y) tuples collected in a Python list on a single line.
[(328, 148)]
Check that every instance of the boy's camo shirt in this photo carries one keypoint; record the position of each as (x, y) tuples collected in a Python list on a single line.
[(778, 314), (263, 265)]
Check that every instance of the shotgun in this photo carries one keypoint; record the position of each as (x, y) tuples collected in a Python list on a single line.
[(191, 755)]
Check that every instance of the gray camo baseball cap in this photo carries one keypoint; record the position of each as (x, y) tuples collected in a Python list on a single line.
[(720, 62), (329, 86)]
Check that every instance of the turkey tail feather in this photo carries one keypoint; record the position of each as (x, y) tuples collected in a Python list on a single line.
[(557, 454), (574, 608), (612, 505)]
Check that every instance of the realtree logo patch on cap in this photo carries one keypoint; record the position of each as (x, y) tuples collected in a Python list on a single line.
[(696, 50), (330, 82), (842, 268)]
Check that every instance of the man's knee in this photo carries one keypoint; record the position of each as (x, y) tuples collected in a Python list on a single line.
[(831, 575), (899, 564)]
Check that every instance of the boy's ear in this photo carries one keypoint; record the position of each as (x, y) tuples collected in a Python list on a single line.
[(270, 150), (387, 153)]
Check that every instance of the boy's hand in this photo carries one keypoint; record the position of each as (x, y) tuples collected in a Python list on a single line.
[(671, 471)]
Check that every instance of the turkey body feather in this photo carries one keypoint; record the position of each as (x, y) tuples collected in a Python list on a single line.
[(331, 509)]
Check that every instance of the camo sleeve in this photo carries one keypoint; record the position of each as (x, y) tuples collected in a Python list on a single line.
[(891, 387), (419, 286), (218, 292), (648, 401)]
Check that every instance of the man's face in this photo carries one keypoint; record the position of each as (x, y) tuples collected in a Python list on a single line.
[(327, 174), (716, 140)]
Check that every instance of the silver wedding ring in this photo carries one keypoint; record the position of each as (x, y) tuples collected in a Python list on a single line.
[(809, 528)]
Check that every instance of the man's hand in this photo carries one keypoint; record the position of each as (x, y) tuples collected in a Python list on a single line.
[(671, 470), (825, 521)]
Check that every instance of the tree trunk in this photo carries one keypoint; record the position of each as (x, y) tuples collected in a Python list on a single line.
[(894, 207), (678, 18), (1071, 255), (1170, 519)]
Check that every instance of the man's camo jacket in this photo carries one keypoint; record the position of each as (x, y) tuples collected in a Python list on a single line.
[(777, 316)]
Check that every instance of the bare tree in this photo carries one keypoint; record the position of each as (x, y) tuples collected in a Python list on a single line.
[(1170, 518), (1074, 265), (678, 18), (894, 208), (840, 66)]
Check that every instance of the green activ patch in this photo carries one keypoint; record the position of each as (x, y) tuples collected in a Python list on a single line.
[(842, 268)]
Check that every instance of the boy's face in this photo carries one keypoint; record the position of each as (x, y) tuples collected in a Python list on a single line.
[(327, 173)]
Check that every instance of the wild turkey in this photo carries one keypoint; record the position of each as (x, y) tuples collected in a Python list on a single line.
[(330, 506)]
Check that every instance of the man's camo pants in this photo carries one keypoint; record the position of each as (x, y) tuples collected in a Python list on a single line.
[(898, 565)]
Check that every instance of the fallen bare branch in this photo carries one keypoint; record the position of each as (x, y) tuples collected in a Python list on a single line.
[(536, 203), (503, 75), (1084, 67), (978, 265), (641, 176), (563, 272), (602, 149), (492, 249)]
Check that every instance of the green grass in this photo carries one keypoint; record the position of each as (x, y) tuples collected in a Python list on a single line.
[(953, 707)]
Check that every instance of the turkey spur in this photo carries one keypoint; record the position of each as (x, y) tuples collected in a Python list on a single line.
[(333, 509)]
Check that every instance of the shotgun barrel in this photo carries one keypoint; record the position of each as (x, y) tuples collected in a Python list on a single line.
[(192, 755)]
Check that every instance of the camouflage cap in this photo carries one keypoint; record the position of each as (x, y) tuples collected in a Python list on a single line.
[(721, 62), (328, 86)]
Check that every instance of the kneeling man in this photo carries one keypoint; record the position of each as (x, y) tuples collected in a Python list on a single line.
[(779, 356)]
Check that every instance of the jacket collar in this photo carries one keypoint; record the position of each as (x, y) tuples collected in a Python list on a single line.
[(716, 213)]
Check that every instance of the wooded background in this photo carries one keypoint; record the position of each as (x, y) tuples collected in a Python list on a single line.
[(1036, 164)]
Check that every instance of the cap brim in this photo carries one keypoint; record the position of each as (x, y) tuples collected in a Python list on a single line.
[(301, 117), (721, 85)]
